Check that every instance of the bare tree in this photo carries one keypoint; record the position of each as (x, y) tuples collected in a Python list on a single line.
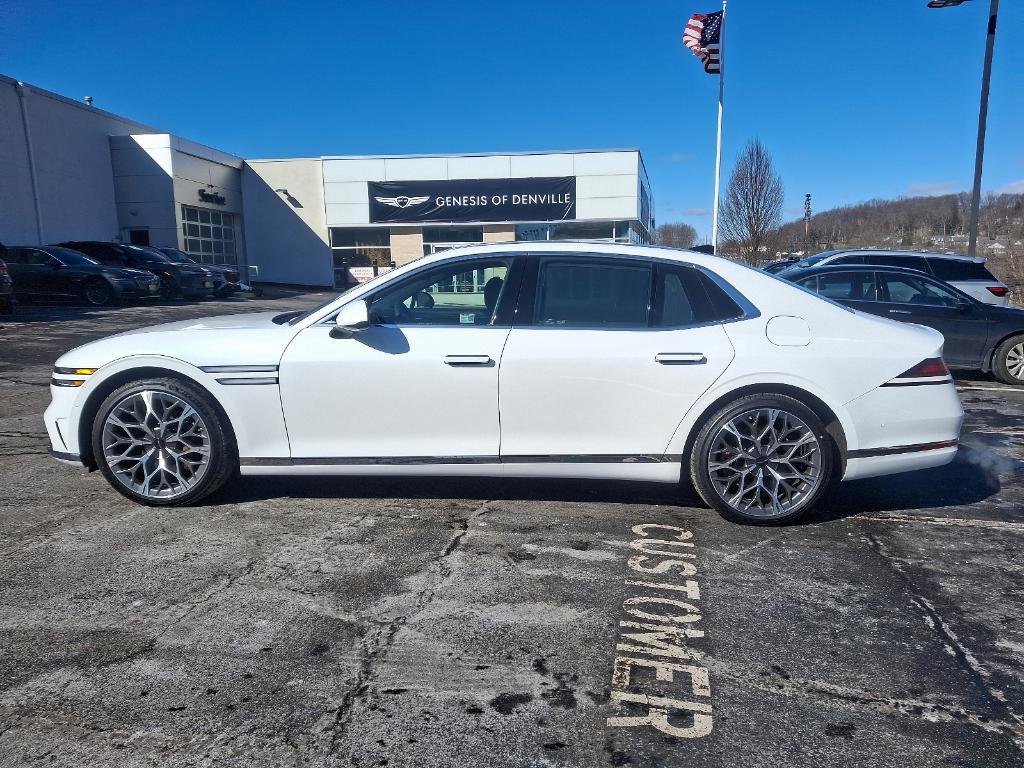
[(752, 210), (677, 235)]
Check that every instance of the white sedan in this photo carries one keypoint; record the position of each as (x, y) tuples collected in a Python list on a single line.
[(556, 359)]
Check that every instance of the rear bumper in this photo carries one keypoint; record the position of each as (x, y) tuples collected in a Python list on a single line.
[(899, 429), (904, 458)]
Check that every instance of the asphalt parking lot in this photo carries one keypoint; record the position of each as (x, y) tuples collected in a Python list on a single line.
[(464, 622)]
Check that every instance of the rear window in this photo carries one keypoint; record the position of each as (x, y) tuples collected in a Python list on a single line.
[(892, 260), (955, 269)]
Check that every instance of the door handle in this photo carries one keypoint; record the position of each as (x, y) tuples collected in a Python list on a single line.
[(899, 311), (680, 358), (463, 361)]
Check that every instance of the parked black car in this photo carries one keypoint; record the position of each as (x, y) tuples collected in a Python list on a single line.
[(53, 272), (774, 267), (227, 278), (175, 279), (6, 289), (978, 336)]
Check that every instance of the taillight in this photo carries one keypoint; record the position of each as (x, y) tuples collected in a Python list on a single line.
[(997, 290), (3, 269), (933, 366)]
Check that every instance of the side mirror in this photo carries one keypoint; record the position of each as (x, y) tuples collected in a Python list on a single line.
[(352, 318), (963, 306)]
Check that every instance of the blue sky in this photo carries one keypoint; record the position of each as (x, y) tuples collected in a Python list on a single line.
[(855, 100)]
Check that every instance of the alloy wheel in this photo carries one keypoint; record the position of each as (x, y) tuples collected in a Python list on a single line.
[(764, 462), (1015, 361), (97, 293), (156, 444)]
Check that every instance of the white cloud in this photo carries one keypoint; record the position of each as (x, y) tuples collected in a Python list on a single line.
[(927, 188), (696, 212), (679, 157), (1013, 188)]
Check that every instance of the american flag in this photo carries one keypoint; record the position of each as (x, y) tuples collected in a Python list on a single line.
[(702, 36)]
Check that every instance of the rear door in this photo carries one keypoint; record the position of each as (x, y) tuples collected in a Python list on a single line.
[(33, 272), (918, 299), (606, 356)]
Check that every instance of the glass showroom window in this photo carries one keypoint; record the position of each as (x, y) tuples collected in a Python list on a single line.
[(361, 246), (209, 235), (442, 238)]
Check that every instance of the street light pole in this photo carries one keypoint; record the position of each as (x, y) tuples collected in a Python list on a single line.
[(979, 154)]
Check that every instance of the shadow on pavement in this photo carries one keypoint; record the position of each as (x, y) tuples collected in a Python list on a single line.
[(971, 478)]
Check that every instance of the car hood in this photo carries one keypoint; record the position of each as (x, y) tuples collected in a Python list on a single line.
[(243, 339)]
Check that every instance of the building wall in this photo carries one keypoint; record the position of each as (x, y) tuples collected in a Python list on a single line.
[(607, 183), (286, 236), (499, 233), (72, 155), (406, 244)]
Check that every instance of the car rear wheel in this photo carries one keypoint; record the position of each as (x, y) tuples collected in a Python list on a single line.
[(98, 293), (1008, 361), (162, 442), (762, 460)]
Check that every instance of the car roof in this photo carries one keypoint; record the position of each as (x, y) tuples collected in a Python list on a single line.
[(814, 270), (900, 252), (581, 246)]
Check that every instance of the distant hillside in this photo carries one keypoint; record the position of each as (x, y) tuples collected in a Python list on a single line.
[(936, 223)]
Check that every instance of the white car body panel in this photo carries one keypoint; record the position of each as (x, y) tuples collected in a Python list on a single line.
[(978, 289), (347, 398), (569, 391), (595, 395)]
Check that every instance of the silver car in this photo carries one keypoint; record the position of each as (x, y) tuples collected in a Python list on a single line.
[(968, 274)]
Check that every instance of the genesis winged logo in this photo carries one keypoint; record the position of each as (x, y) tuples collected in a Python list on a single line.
[(402, 201)]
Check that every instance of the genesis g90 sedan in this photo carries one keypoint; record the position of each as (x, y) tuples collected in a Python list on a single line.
[(553, 359)]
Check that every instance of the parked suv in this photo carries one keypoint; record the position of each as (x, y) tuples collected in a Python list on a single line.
[(967, 274), (226, 277), (49, 271), (175, 279)]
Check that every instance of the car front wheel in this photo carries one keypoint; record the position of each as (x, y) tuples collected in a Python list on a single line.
[(762, 460), (98, 293), (1008, 361), (162, 442)]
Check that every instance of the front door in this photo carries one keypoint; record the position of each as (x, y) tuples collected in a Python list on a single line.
[(914, 299), (606, 357), (419, 385)]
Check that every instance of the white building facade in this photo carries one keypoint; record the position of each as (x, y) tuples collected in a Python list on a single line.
[(74, 172)]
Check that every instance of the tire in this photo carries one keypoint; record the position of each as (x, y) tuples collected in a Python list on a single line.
[(176, 440), (98, 293), (740, 487), (1008, 361), (168, 290)]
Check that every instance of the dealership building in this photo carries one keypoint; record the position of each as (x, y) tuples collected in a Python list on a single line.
[(74, 172)]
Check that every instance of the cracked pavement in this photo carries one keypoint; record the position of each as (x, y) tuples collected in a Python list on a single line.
[(457, 622)]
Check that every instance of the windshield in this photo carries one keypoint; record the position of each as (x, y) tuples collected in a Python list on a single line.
[(318, 307), (71, 258), (151, 255), (177, 256)]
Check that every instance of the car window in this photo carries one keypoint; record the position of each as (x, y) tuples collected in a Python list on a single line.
[(957, 269), (848, 260), (680, 298), (907, 289), (593, 293), (463, 293), (908, 262), (810, 283), (847, 286), (37, 258)]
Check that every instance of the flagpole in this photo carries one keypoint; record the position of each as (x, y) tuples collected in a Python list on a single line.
[(718, 147)]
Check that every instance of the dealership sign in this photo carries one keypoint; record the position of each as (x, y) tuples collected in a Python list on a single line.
[(534, 199)]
